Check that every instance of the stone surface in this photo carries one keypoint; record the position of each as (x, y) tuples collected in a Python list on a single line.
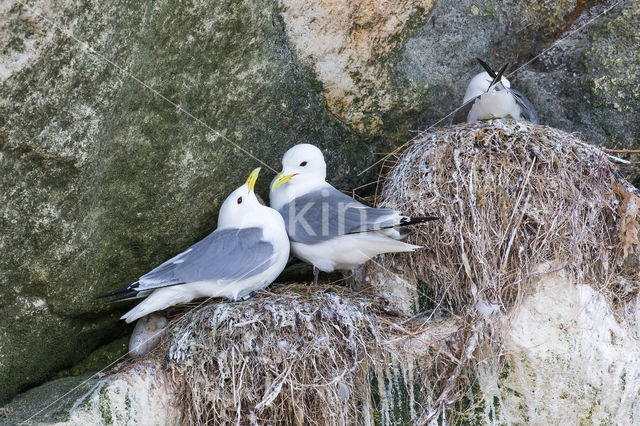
[(347, 44), (139, 397), (568, 360), (101, 178), (47, 404)]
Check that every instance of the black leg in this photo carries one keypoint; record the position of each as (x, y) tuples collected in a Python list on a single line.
[(316, 272)]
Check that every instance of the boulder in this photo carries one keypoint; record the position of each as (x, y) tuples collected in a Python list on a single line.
[(103, 178), (124, 125)]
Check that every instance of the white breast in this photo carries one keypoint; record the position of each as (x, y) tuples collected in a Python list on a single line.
[(500, 104), (348, 251)]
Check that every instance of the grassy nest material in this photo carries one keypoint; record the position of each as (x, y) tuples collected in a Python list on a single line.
[(295, 356), (516, 201)]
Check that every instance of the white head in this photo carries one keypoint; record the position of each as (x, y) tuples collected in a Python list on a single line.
[(479, 85), (302, 163), (241, 206)]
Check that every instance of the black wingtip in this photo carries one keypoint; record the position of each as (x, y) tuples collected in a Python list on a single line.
[(123, 291), (416, 220), (498, 76), (487, 68)]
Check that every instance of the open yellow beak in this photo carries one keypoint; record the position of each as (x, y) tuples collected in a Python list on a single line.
[(253, 177), (280, 180)]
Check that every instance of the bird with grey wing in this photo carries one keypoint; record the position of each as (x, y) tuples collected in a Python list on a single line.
[(245, 253), (327, 228), (489, 95)]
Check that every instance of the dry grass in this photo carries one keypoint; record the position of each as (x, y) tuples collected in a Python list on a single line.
[(295, 356), (516, 200)]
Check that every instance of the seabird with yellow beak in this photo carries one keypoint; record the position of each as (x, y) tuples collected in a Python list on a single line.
[(327, 228), (245, 253)]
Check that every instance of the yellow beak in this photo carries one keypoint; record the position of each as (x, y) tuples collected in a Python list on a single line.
[(280, 180), (253, 177)]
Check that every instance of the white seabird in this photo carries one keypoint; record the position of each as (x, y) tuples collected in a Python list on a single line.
[(327, 228), (245, 253), (489, 95)]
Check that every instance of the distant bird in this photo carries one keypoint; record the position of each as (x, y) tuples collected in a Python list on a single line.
[(327, 228), (489, 95), (245, 253)]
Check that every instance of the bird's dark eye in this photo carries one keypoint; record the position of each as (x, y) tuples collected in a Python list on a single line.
[(304, 163), (239, 200)]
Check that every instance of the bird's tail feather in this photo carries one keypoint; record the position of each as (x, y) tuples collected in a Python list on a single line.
[(408, 221), (158, 300), (148, 305), (402, 230), (405, 221), (125, 292)]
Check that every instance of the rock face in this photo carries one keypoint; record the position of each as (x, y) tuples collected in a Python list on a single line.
[(135, 398), (570, 361), (509, 314), (346, 43), (102, 178)]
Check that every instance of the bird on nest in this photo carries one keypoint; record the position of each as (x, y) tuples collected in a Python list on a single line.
[(329, 229), (245, 253), (489, 95)]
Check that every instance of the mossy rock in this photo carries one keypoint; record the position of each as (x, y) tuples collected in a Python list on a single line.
[(103, 179), (46, 404)]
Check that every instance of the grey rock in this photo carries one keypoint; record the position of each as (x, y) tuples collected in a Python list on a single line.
[(102, 179), (49, 403), (147, 334)]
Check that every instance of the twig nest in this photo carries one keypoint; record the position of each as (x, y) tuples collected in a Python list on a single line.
[(511, 196), (287, 356)]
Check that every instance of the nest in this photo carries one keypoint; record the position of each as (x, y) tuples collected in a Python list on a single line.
[(295, 356), (516, 201)]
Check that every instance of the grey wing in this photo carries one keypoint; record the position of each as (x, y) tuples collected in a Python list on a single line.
[(225, 254), (528, 110), (326, 213), (463, 112)]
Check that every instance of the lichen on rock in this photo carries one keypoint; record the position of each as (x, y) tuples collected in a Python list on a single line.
[(102, 178), (568, 360), (346, 44)]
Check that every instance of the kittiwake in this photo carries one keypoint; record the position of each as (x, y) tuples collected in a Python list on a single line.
[(489, 95), (245, 253), (327, 228)]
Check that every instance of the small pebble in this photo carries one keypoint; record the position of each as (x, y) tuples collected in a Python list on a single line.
[(147, 334)]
